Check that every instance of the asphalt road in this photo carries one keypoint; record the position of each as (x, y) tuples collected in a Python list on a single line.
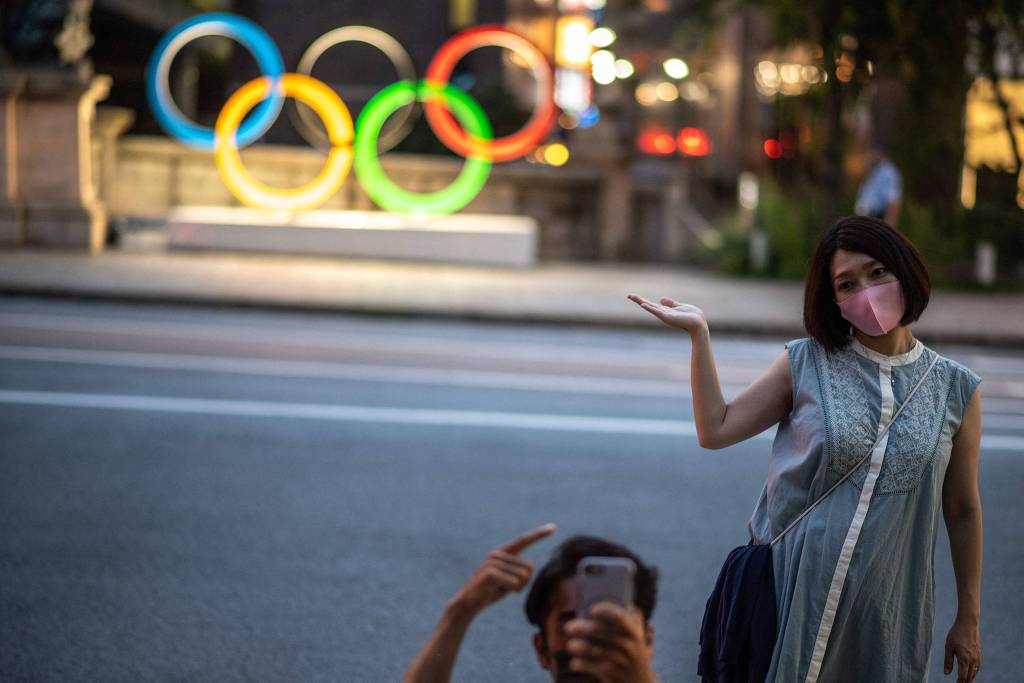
[(207, 495)]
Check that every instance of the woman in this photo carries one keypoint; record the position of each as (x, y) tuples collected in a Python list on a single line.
[(865, 616)]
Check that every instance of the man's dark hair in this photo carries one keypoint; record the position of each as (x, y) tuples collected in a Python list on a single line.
[(562, 565), (876, 238)]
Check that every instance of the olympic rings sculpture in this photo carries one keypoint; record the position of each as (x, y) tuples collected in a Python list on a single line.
[(456, 118), (402, 123)]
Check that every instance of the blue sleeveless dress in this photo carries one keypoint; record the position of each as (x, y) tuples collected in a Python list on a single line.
[(878, 625)]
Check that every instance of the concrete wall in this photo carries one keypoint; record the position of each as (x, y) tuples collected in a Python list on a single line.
[(152, 175)]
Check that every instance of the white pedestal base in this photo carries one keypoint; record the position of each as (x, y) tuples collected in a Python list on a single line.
[(460, 238)]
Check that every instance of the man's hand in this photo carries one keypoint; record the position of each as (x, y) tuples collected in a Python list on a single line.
[(611, 645), (501, 573)]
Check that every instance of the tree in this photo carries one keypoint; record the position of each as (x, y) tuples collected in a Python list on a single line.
[(997, 53)]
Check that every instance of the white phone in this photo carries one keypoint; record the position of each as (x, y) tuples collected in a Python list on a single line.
[(604, 579)]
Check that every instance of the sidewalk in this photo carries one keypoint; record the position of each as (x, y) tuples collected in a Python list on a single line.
[(573, 293)]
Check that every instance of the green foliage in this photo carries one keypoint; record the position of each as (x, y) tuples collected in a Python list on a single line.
[(948, 241), (733, 254), (940, 239), (793, 220), (1005, 229)]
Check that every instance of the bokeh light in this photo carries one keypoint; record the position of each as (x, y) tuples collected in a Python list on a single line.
[(772, 148), (602, 37), (556, 154), (602, 67), (647, 94), (694, 142), (772, 79), (656, 141), (572, 41), (624, 68), (694, 91), (676, 68), (589, 116), (666, 92)]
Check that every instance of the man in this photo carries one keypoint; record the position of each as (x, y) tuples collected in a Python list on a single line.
[(882, 190), (613, 645)]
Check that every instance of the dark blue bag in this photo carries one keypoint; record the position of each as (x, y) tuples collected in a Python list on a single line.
[(737, 635)]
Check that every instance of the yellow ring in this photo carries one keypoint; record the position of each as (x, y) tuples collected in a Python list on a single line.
[(340, 131)]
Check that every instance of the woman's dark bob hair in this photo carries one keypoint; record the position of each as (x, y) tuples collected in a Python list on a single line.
[(879, 240)]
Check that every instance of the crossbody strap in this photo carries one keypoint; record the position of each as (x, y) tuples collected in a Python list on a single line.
[(865, 458)]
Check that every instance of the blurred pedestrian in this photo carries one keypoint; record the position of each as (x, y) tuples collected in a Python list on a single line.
[(833, 395), (613, 645), (881, 193)]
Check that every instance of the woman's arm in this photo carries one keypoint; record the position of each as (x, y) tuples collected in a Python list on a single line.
[(719, 424), (961, 508), (764, 403)]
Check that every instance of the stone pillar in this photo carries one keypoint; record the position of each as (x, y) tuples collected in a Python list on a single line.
[(675, 200), (616, 211), (111, 123), (47, 147)]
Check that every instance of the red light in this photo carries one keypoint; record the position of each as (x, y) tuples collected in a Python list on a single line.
[(772, 148), (694, 142), (664, 143), (656, 141)]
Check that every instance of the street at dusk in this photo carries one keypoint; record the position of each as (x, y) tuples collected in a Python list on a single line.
[(492, 341), (252, 496)]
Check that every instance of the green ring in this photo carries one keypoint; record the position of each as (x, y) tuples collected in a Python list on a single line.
[(380, 187)]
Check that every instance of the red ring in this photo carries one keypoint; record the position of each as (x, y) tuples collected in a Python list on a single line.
[(447, 128)]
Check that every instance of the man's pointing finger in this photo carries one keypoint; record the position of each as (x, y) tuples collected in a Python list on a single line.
[(521, 543)]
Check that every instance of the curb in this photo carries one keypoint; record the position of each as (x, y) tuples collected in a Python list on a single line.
[(727, 326)]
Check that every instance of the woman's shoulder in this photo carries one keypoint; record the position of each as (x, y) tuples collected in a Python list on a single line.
[(803, 359), (809, 348), (960, 375), (798, 344), (808, 344)]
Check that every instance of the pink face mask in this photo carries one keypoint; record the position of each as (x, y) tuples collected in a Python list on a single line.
[(875, 310)]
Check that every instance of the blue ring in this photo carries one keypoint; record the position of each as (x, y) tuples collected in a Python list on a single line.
[(253, 38)]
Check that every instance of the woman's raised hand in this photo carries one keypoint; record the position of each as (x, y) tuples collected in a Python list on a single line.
[(684, 316)]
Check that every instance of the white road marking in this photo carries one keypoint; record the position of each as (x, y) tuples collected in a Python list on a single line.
[(1001, 442), (1007, 413), (350, 413), (360, 372), (754, 357), (1001, 405), (306, 337), (1002, 420)]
